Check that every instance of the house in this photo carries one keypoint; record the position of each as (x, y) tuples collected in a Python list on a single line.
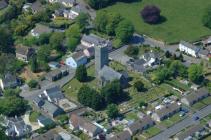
[(49, 135), (189, 49), (66, 3), (51, 109), (64, 70), (40, 29), (76, 10), (3, 4), (54, 65), (24, 53), (76, 60), (89, 52), (125, 135), (188, 134), (53, 94), (44, 121), (204, 54), (9, 81), (140, 125), (151, 58), (36, 7), (58, 13), (38, 101), (207, 42), (94, 40), (79, 123), (194, 97), (166, 111), (54, 75), (107, 74), (15, 126)]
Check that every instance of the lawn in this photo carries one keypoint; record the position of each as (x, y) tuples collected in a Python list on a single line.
[(199, 105), (71, 88), (172, 120), (152, 131), (183, 18)]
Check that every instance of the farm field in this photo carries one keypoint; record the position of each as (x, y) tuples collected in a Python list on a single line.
[(183, 19)]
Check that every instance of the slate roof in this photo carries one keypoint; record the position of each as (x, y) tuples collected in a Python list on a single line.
[(190, 132), (78, 9), (44, 120), (3, 4), (167, 109), (37, 6), (38, 101), (23, 50), (77, 121), (150, 55), (109, 74), (9, 79), (49, 135), (93, 39), (78, 55), (125, 135), (51, 108), (197, 94), (40, 29), (54, 93), (67, 1), (191, 46)]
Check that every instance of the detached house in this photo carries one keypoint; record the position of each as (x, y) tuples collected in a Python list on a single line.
[(24, 53), (166, 112), (189, 48), (125, 135), (79, 123), (66, 3), (9, 81), (194, 97), (40, 29)]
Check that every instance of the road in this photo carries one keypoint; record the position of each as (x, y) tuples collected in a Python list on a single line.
[(183, 124)]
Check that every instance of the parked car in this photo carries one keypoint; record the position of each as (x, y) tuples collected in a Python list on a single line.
[(182, 113), (195, 118)]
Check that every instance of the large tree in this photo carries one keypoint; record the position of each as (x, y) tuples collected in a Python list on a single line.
[(6, 40), (151, 14), (206, 20), (81, 73), (112, 111), (139, 85), (195, 73)]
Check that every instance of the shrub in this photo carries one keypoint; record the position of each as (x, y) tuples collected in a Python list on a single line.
[(151, 14)]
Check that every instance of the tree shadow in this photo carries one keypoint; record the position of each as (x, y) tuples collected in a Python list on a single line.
[(90, 78)]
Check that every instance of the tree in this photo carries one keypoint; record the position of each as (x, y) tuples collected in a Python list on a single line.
[(142, 103), (3, 136), (91, 98), (101, 21), (178, 69), (124, 31), (82, 21), (151, 14), (34, 64), (112, 111), (206, 19), (181, 58), (12, 92), (81, 73), (32, 83), (132, 51), (112, 92), (12, 106), (73, 35), (62, 119), (195, 73), (161, 75), (56, 41), (6, 40), (168, 54), (139, 86)]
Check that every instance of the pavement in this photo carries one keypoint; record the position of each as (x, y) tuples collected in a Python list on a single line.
[(166, 134)]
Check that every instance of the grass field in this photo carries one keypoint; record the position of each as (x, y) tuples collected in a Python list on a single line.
[(183, 19)]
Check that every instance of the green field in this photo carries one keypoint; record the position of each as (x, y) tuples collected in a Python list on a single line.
[(183, 19)]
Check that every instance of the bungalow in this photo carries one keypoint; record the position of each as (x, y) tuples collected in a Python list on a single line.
[(24, 53), (40, 29), (15, 126), (188, 134), (9, 81), (194, 97), (166, 111), (54, 75), (3, 4), (66, 3), (53, 94), (125, 135), (79, 123), (107, 74), (140, 125), (51, 109), (76, 60), (189, 49), (44, 121)]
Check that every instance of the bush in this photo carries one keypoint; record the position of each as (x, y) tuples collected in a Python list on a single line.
[(33, 116), (151, 14), (81, 73), (139, 85), (132, 51), (32, 83)]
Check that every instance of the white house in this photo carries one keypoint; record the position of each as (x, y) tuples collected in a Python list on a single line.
[(66, 3), (76, 60), (189, 49)]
